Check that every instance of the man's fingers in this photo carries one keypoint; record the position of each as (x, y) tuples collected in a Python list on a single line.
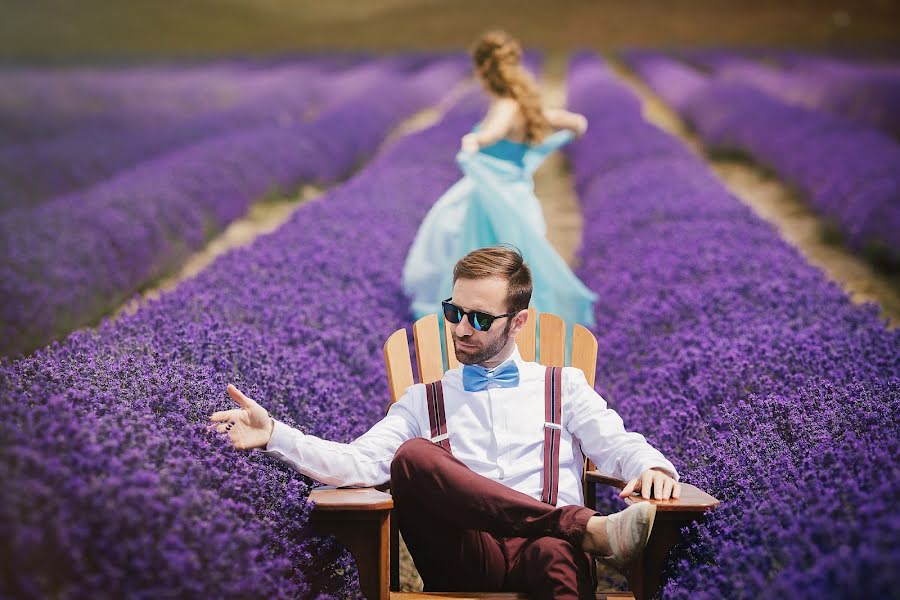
[(646, 485), (628, 489), (676, 491), (658, 483), (667, 488), (225, 415), (239, 397)]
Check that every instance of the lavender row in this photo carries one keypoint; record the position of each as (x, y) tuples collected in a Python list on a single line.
[(850, 174), (112, 485), (867, 95), (33, 171), (743, 364), (47, 102), (282, 95), (68, 262)]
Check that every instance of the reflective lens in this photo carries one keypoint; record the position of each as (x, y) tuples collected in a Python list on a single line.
[(479, 321), (452, 313)]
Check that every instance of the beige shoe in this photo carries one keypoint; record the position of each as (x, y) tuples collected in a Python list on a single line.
[(628, 532)]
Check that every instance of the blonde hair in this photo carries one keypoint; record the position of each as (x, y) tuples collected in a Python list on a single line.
[(497, 57), (505, 262)]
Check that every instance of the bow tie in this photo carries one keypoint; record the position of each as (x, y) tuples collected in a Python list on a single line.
[(476, 378)]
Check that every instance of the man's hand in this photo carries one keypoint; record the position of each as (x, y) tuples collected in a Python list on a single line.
[(662, 485), (249, 426)]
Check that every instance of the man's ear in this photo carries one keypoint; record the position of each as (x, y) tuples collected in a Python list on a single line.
[(519, 321)]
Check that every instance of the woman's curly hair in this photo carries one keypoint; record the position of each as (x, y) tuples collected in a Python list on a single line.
[(497, 57)]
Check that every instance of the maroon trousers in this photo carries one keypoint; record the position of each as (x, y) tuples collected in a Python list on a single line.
[(468, 533)]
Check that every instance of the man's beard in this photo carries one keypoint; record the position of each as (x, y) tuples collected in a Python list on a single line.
[(486, 353)]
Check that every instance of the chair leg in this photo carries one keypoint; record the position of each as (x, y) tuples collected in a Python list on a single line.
[(644, 576), (395, 555), (366, 534)]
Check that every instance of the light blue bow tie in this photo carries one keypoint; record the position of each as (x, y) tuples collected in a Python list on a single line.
[(476, 378)]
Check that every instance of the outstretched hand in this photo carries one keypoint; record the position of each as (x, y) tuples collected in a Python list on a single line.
[(663, 486), (248, 426)]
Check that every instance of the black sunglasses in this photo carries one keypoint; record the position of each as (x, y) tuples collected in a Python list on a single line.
[(480, 321)]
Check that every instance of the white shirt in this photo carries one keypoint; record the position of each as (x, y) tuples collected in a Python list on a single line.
[(497, 432)]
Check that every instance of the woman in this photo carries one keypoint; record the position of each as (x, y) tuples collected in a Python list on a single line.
[(494, 202)]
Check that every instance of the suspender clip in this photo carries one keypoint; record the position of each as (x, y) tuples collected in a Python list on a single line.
[(552, 426)]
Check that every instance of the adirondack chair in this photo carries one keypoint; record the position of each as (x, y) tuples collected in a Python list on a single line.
[(360, 517)]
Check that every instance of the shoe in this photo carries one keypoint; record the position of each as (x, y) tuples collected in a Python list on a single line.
[(628, 532)]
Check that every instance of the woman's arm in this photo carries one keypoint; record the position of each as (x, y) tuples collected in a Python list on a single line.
[(498, 123), (560, 118)]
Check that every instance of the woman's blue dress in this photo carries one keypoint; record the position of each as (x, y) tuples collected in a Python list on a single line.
[(494, 203)]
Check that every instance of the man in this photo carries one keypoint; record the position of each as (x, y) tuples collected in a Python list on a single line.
[(487, 487)]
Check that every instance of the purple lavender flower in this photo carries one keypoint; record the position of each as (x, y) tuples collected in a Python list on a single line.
[(849, 173), (112, 484), (742, 363), (68, 262)]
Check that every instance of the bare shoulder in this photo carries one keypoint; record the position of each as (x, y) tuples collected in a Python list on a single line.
[(503, 107), (505, 102)]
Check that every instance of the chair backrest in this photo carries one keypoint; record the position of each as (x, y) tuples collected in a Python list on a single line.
[(429, 361)]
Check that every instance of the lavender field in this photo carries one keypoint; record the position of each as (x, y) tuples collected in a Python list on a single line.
[(848, 172), (756, 374), (73, 258), (720, 343)]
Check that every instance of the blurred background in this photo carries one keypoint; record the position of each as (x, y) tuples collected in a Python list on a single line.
[(62, 29)]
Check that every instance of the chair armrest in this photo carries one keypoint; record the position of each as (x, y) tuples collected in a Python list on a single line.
[(692, 500), (331, 499)]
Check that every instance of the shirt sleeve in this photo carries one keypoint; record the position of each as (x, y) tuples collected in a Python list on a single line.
[(364, 462), (604, 440)]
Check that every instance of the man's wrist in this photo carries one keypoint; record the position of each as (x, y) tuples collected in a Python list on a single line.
[(664, 471), (271, 430)]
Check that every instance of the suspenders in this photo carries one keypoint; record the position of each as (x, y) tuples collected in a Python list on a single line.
[(552, 433), (434, 393)]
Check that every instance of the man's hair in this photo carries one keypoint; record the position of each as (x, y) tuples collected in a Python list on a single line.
[(505, 262)]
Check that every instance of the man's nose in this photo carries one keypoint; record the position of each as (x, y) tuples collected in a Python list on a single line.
[(463, 327)]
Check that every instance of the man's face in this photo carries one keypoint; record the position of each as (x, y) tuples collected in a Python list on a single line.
[(485, 295)]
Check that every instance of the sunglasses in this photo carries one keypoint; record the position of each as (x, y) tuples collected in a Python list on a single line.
[(480, 321)]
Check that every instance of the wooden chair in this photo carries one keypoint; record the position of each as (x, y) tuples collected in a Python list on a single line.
[(360, 518)]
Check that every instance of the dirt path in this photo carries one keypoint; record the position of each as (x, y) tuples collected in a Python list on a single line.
[(553, 181), (776, 203)]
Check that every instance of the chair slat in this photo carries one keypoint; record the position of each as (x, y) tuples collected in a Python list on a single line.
[(526, 338), (584, 356), (452, 363), (553, 341), (584, 353), (428, 349), (398, 364)]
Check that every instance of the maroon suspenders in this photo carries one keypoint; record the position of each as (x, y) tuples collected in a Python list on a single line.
[(434, 393), (552, 433)]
